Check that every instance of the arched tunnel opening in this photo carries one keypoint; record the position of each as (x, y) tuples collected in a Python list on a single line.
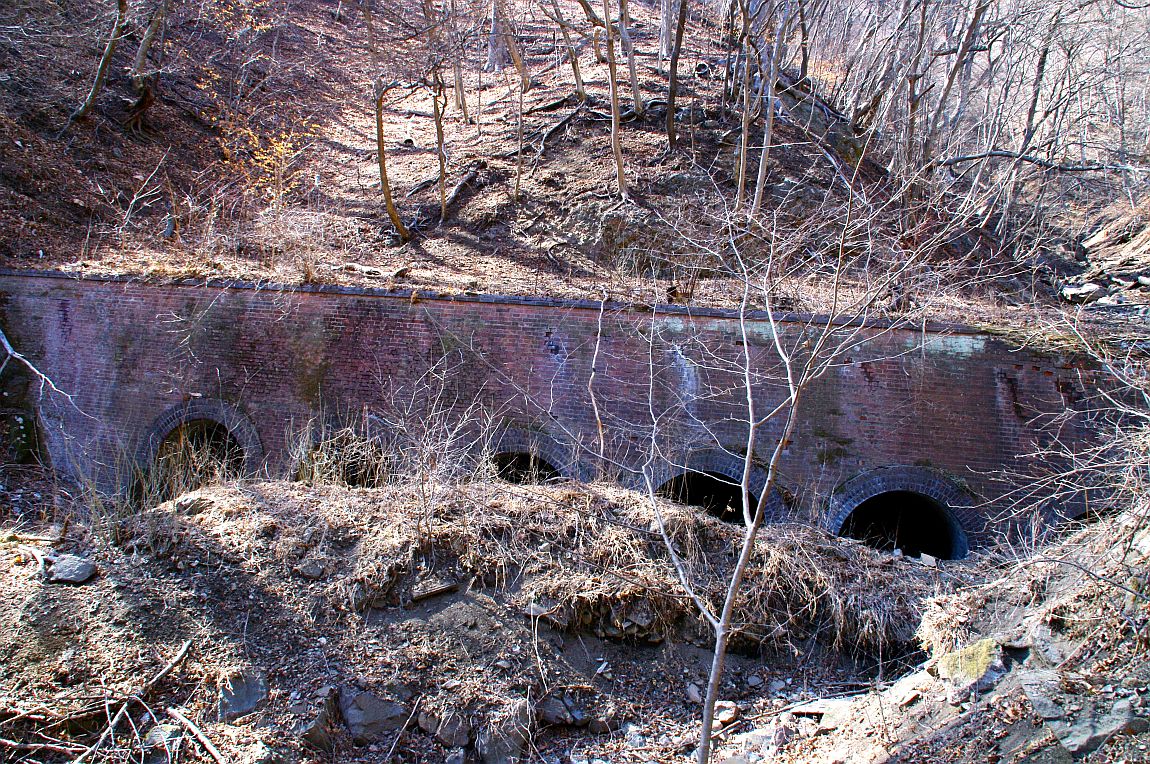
[(194, 454), (718, 494), (348, 456), (524, 468), (908, 521)]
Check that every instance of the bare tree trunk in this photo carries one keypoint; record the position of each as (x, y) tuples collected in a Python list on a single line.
[(84, 109), (629, 51), (968, 39), (460, 90), (501, 44), (143, 82), (745, 123), (139, 77), (768, 129), (519, 141), (497, 56), (667, 15), (367, 20), (571, 52), (381, 150), (804, 42), (438, 104), (673, 73), (597, 46), (613, 79)]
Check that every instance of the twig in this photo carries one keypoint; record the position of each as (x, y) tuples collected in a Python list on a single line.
[(549, 106), (1040, 162), (111, 728), (553, 131), (45, 380), (421, 185), (34, 747), (1088, 572), (175, 661), (467, 180), (199, 735), (40, 556), (399, 734)]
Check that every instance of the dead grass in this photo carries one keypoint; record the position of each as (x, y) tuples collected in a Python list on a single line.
[(584, 559)]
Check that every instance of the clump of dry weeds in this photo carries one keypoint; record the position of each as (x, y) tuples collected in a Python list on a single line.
[(584, 558)]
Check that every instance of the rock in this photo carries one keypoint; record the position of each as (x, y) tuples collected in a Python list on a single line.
[(193, 505), (1091, 731), (783, 732), (726, 712), (320, 732), (754, 681), (241, 693), (505, 739), (776, 686), (909, 698), (162, 743), (633, 734), (831, 712), (837, 714), (1088, 292), (312, 570), (561, 710), (261, 754), (973, 669), (458, 756), (428, 722), (1043, 688), (694, 694), (1144, 280), (369, 717), (70, 569), (928, 560), (454, 731)]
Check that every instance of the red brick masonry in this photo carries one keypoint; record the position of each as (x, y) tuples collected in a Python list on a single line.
[(935, 411)]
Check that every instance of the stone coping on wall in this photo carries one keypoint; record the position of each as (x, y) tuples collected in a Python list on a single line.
[(931, 326)]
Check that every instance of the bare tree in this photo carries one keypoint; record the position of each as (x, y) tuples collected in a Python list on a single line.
[(381, 153), (85, 108), (613, 82)]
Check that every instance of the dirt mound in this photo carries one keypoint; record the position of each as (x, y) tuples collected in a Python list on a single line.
[(1046, 663), (379, 625)]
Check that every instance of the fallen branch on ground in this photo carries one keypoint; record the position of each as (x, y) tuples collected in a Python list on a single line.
[(471, 176), (1040, 162), (198, 734), (37, 747), (138, 696)]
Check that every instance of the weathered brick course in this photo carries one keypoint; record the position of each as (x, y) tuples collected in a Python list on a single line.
[(935, 411)]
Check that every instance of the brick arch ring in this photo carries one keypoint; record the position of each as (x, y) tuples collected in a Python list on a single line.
[(521, 440), (718, 461), (227, 416), (956, 502)]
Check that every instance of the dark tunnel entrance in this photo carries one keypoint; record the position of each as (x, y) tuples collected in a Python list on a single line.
[(524, 468), (908, 521), (194, 454), (718, 494)]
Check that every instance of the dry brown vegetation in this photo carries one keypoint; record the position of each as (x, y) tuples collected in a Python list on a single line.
[(257, 157), (325, 585)]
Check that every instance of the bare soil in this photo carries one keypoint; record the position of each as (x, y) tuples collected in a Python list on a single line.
[(258, 162), (493, 594)]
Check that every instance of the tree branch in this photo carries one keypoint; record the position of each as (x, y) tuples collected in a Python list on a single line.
[(1040, 162)]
